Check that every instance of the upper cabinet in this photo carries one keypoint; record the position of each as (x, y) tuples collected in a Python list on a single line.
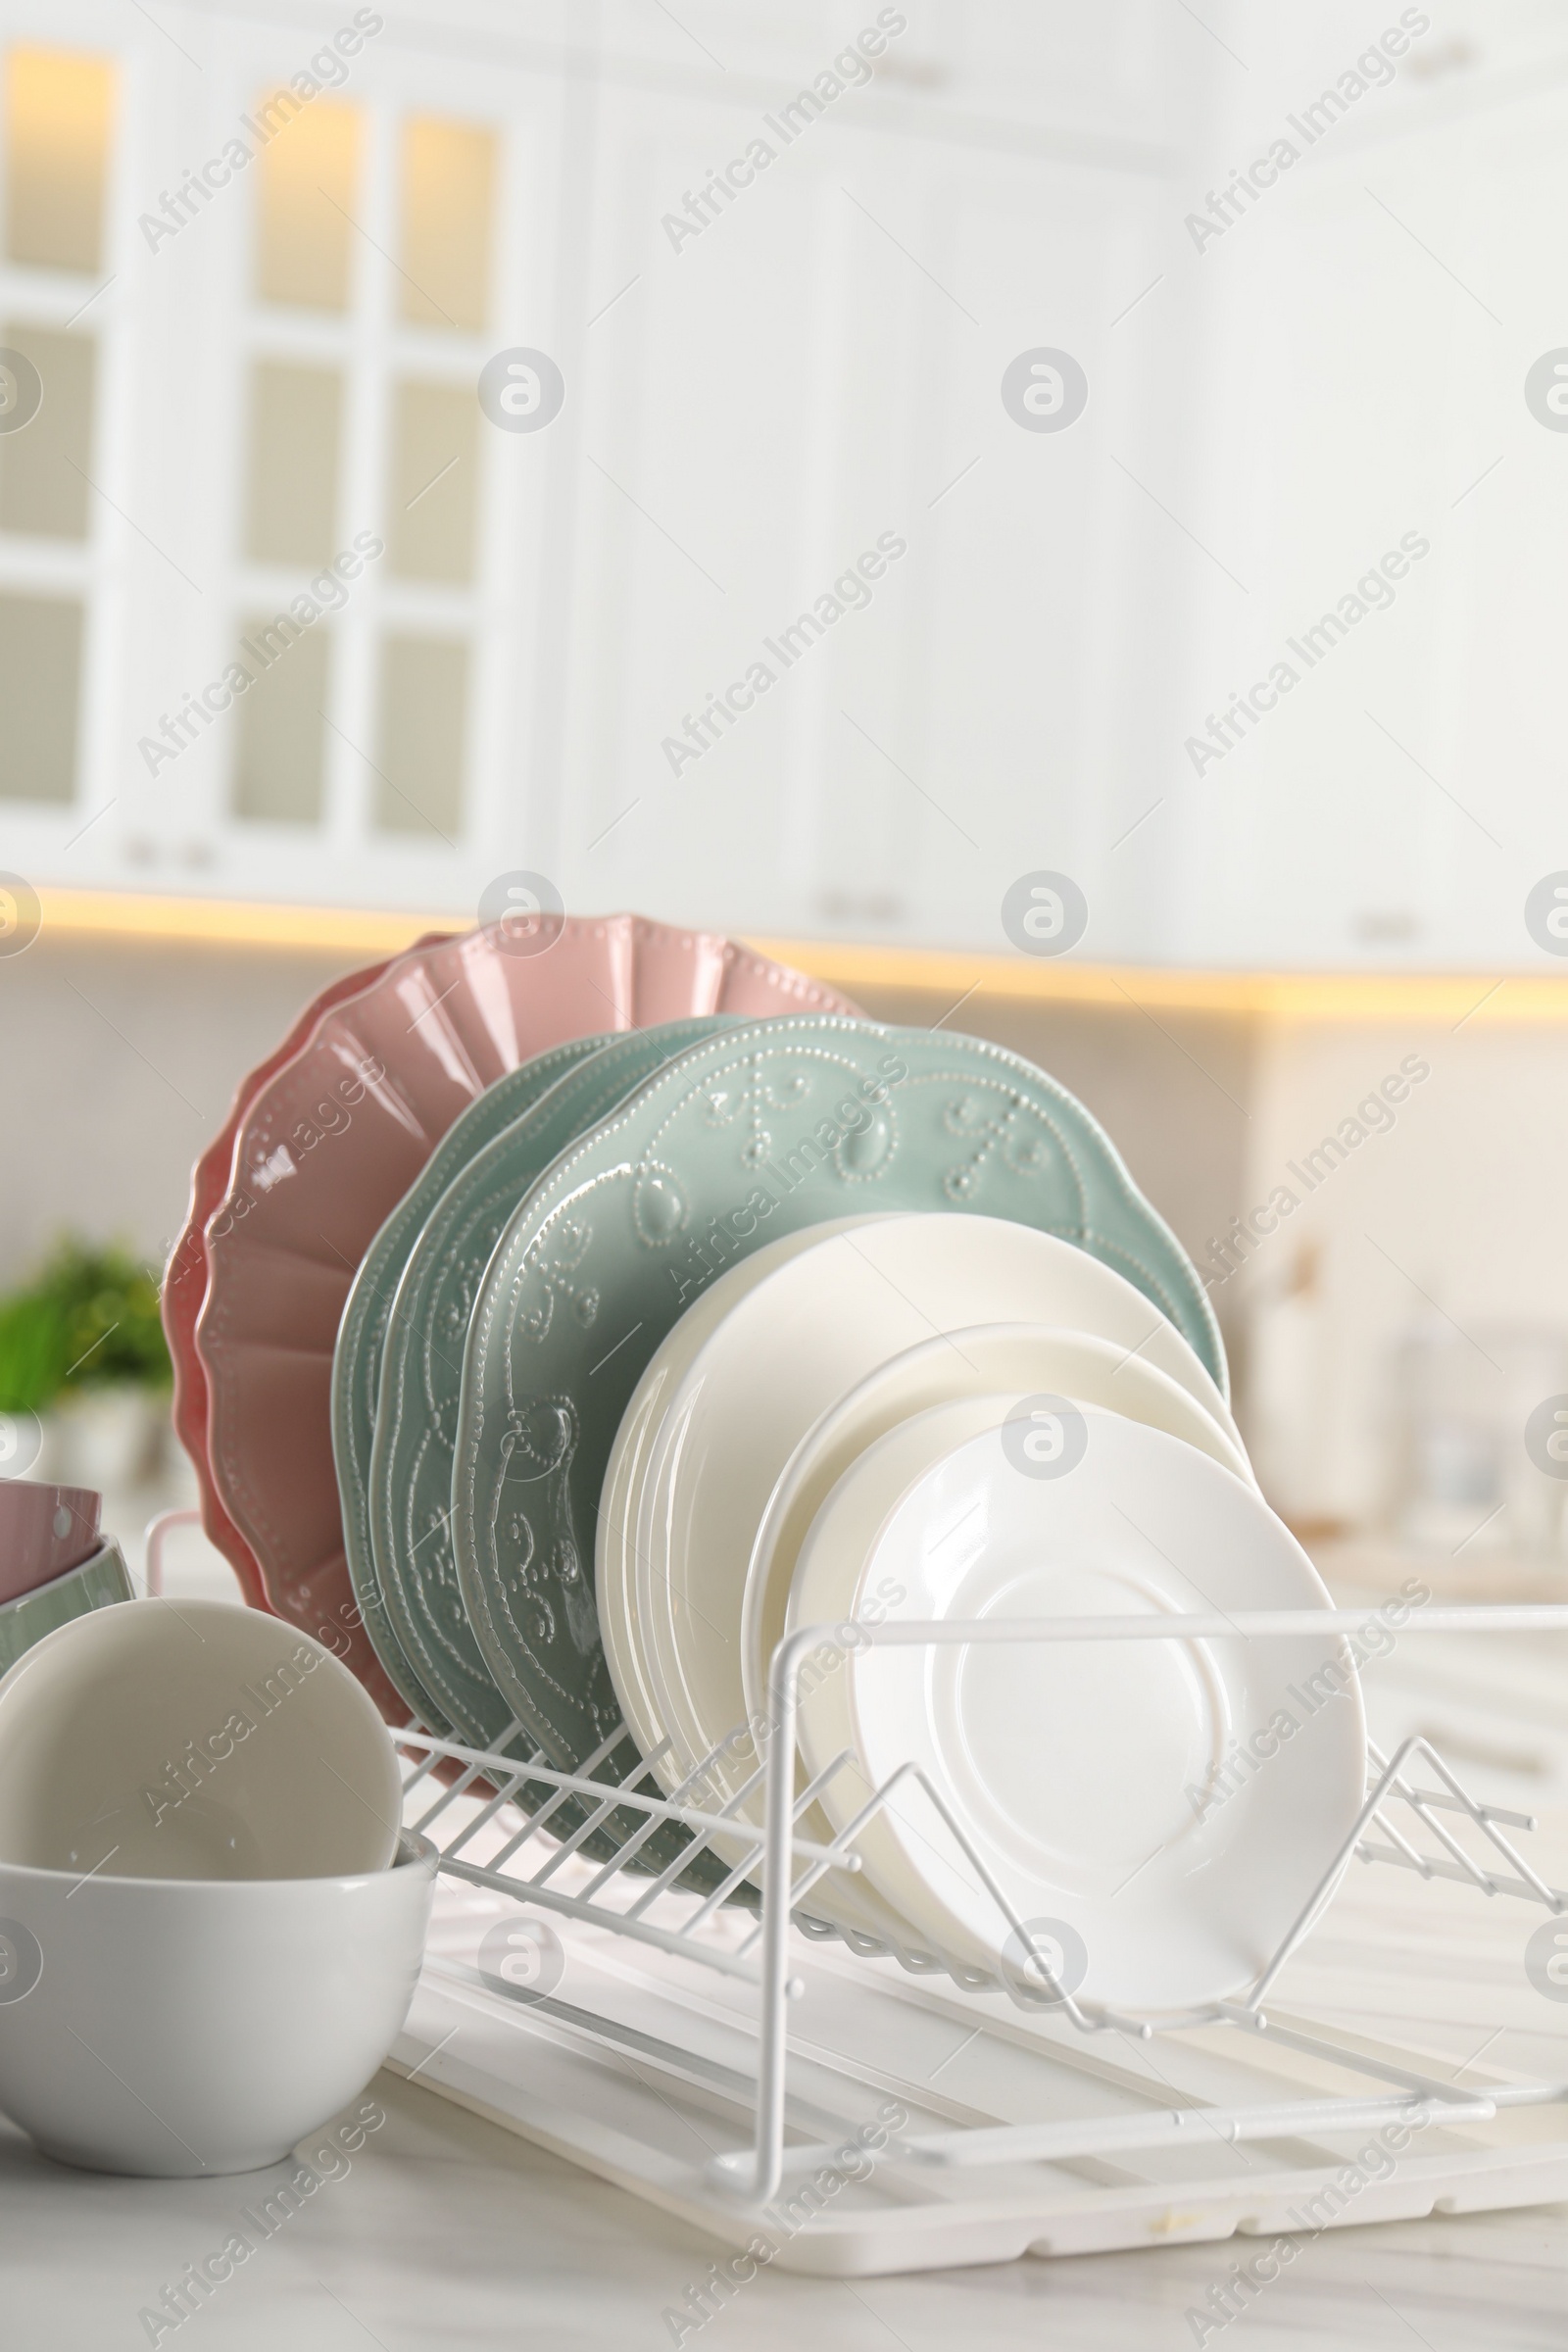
[(797, 470), (272, 599), (1370, 775)]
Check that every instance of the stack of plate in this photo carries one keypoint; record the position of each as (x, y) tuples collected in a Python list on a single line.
[(321, 1143), (962, 1418), (648, 1334)]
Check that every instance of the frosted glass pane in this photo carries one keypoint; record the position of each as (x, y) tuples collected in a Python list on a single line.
[(279, 764), (305, 209), (59, 111), (423, 736), (45, 468), (40, 690), (434, 457), (448, 178), (293, 463)]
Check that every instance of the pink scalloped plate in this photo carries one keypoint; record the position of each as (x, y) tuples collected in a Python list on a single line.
[(326, 1151), (185, 1275)]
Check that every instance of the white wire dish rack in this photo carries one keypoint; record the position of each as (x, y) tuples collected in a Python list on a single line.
[(862, 2111)]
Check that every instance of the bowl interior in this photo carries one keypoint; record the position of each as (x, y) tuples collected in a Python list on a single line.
[(192, 1740)]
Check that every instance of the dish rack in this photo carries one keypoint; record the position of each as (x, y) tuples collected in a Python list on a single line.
[(846, 2141), (811, 2097)]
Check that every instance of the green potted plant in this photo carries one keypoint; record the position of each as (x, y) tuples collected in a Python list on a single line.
[(82, 1347)]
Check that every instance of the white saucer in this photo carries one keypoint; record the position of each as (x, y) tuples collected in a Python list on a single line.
[(1082, 1773), (1015, 1360)]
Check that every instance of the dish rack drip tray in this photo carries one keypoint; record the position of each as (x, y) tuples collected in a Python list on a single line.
[(848, 2112)]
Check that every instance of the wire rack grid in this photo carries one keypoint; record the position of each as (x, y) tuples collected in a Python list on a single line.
[(528, 1866), (510, 1826)]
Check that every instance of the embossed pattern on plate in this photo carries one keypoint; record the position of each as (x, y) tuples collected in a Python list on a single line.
[(362, 1335), (422, 1370), (780, 1124)]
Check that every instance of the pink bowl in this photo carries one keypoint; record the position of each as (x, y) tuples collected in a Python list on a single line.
[(326, 1149), (44, 1532), (185, 1276)]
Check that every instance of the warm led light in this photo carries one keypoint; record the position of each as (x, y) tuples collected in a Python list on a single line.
[(1453, 998), (237, 922), (1458, 999)]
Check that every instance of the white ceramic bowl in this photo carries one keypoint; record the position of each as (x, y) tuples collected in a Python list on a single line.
[(192, 1739), (184, 2027)]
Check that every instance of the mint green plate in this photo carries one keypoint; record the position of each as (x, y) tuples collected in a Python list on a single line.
[(421, 1372), (772, 1127), (361, 1333), (96, 1583)]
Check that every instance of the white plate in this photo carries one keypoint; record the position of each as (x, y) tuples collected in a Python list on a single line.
[(1082, 1772), (635, 1442), (780, 1350), (848, 1903), (1016, 1359)]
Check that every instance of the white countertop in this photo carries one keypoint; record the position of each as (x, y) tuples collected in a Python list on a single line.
[(449, 2235)]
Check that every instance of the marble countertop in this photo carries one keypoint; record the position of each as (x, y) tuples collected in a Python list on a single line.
[(450, 2235)]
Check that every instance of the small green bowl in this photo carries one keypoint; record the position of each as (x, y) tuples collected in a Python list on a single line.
[(95, 1585)]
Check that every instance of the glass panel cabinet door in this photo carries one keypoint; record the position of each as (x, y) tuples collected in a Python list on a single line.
[(448, 176), (295, 423), (271, 583), (304, 235), (59, 117), (57, 126), (41, 696), (45, 466)]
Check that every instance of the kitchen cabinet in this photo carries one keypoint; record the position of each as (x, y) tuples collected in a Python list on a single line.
[(289, 474), (751, 411), (1374, 320), (533, 670), (925, 732)]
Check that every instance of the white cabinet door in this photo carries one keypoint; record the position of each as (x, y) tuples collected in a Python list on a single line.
[(1372, 325), (720, 499), (1036, 657), (802, 491), (253, 429)]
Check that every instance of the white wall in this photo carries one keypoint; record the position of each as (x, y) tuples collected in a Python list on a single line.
[(120, 1059), (1452, 1221)]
